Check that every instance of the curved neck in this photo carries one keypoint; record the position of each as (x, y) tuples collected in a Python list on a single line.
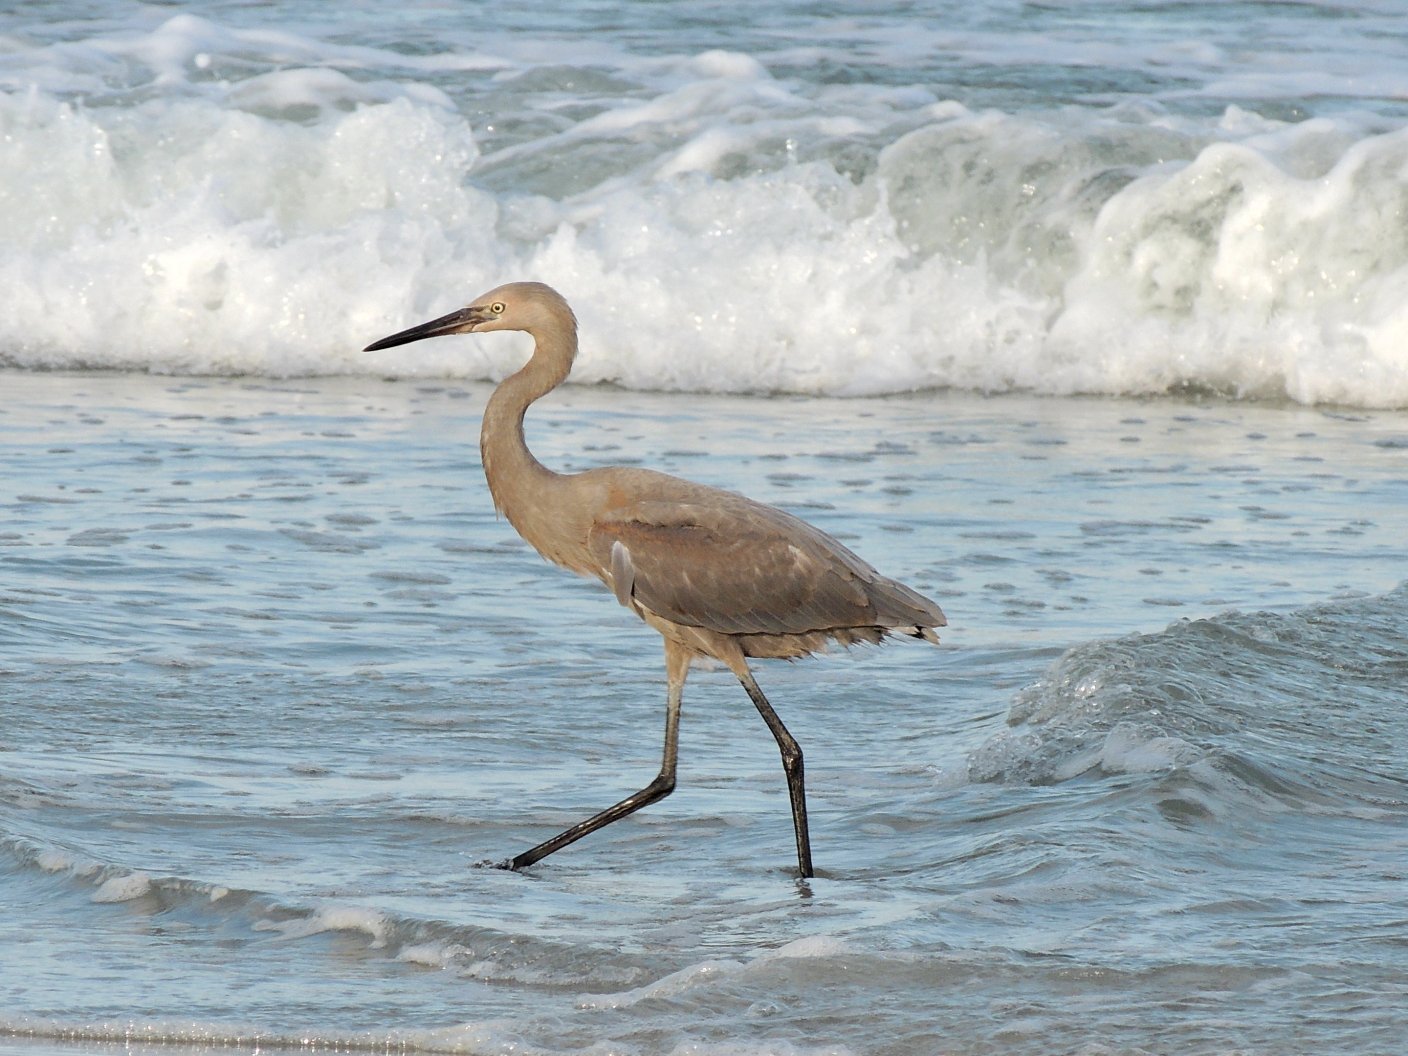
[(517, 480)]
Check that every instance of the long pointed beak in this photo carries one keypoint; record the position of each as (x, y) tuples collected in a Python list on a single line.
[(458, 322)]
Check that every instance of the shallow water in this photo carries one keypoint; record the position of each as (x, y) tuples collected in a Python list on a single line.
[(275, 679)]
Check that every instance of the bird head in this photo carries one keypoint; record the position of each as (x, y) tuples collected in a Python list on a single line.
[(514, 306)]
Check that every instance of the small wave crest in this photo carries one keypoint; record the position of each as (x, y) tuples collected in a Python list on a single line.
[(472, 951), (1259, 707), (489, 1035)]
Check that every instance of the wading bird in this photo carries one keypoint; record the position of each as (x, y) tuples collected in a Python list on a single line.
[(717, 574)]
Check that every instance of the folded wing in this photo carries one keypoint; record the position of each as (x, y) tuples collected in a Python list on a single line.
[(735, 566)]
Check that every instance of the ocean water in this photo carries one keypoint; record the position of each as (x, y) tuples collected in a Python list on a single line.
[(1086, 320), (843, 198)]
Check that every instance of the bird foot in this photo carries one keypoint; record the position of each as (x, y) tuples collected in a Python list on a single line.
[(489, 863)]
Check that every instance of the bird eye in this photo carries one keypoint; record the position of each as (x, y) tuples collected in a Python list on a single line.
[(497, 307)]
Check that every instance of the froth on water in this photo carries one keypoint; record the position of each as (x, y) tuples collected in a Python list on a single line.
[(215, 195)]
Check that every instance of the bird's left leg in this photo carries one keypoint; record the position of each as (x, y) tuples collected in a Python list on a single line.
[(791, 764), (677, 660)]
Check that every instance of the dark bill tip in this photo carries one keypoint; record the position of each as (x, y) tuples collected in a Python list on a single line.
[(454, 323)]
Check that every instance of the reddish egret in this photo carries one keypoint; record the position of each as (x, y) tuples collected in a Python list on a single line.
[(715, 573)]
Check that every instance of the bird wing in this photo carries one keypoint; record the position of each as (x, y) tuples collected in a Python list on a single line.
[(739, 567)]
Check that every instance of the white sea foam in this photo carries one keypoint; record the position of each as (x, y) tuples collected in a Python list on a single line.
[(54, 861), (432, 954), (705, 973), (710, 972), (123, 888), (191, 197), (808, 948), (370, 922)]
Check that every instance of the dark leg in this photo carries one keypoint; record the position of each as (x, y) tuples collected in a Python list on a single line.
[(677, 667), (791, 765)]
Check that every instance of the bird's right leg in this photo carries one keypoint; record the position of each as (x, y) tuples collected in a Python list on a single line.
[(792, 765), (677, 659)]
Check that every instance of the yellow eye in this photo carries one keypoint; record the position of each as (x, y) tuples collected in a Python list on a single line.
[(497, 307)]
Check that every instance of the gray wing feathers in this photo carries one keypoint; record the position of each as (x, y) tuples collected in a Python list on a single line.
[(739, 567)]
